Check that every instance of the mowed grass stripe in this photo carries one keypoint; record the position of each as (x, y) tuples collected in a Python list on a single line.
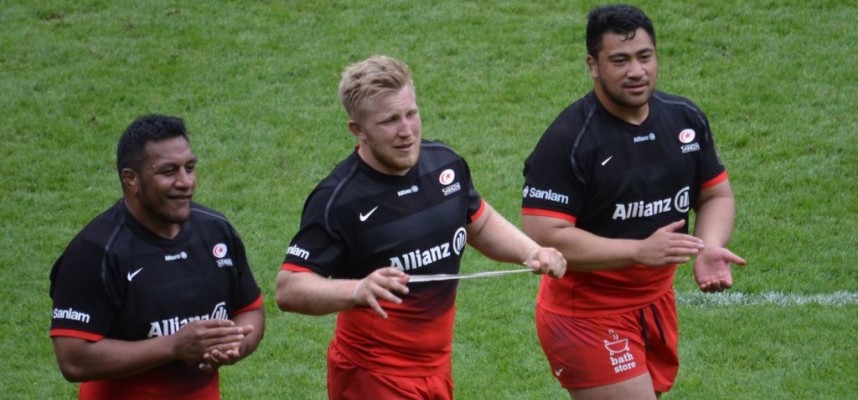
[(698, 299)]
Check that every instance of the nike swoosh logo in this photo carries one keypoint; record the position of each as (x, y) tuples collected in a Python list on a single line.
[(364, 217), (131, 275), (606, 160), (558, 371)]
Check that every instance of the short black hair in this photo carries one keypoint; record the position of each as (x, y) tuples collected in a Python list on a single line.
[(145, 129), (621, 19)]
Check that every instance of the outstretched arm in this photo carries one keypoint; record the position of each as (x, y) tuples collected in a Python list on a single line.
[(588, 252), (500, 240), (308, 293), (714, 224)]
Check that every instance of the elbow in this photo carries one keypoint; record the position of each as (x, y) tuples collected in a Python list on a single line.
[(282, 292), (73, 373), (287, 300), (301, 293), (292, 302), (290, 292), (288, 303), (539, 235), (283, 302), (72, 360)]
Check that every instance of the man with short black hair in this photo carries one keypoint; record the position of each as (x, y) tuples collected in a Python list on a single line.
[(624, 166), (155, 294)]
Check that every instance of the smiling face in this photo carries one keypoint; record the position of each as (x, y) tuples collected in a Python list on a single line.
[(389, 131), (624, 74), (158, 193)]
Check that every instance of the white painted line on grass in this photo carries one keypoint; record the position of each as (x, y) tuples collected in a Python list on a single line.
[(700, 299)]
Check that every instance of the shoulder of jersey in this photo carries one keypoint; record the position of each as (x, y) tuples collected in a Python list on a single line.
[(205, 213)]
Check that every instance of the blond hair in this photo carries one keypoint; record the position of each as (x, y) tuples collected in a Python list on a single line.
[(368, 78)]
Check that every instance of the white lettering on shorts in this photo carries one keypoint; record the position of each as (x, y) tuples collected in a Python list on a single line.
[(618, 353)]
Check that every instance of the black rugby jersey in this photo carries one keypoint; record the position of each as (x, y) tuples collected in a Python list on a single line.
[(116, 279), (358, 220), (618, 180)]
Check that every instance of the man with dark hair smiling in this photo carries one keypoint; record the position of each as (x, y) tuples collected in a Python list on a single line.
[(625, 165), (155, 294)]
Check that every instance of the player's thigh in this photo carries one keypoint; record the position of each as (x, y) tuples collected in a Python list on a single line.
[(592, 352), (347, 381), (638, 388)]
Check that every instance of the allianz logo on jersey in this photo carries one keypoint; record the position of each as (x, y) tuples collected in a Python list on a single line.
[(681, 202), (550, 195), (172, 325), (419, 258)]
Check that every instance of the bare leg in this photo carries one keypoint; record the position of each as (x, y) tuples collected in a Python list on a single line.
[(638, 388)]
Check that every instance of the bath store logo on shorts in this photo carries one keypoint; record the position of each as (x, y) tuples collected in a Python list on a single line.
[(618, 352)]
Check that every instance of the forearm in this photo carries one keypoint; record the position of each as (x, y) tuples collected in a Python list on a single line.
[(255, 318), (583, 250), (80, 360), (716, 215), (714, 222), (311, 294), (499, 239)]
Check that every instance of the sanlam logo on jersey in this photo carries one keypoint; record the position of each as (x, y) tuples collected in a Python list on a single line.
[(298, 252), (550, 195), (172, 325), (419, 258), (71, 314), (638, 209)]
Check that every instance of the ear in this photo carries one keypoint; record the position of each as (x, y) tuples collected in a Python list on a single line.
[(593, 66), (130, 180), (357, 130)]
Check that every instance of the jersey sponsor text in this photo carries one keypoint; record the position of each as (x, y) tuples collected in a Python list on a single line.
[(172, 325), (644, 138), (690, 147), (174, 257), (71, 314), (403, 192), (549, 195), (452, 189), (419, 258), (641, 209), (298, 252)]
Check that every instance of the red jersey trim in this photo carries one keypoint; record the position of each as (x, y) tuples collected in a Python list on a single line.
[(250, 307), (92, 337), (714, 181), (546, 213), (294, 268), (479, 211)]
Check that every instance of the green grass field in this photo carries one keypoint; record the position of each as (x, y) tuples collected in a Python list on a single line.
[(256, 83)]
